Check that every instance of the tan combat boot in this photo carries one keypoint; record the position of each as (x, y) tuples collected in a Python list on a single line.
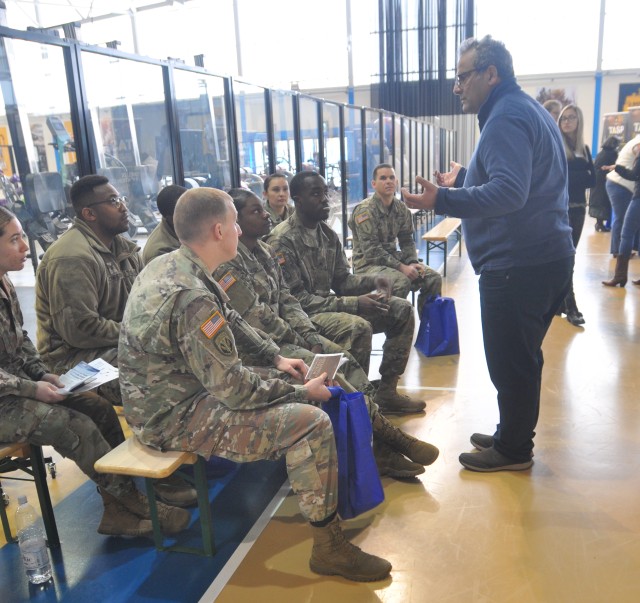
[(172, 519), (413, 448), (392, 463), (119, 521), (393, 403), (175, 491), (334, 555)]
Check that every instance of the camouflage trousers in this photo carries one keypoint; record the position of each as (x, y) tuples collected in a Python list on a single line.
[(429, 284), (83, 427), (354, 333), (300, 432)]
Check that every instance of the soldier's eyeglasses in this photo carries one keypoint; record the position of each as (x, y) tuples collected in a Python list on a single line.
[(117, 202)]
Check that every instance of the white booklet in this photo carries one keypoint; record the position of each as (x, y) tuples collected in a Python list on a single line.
[(325, 363), (86, 376)]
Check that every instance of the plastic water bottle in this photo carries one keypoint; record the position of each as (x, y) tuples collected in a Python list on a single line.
[(33, 547)]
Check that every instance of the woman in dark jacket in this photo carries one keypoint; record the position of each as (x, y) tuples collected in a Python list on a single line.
[(599, 204), (582, 175)]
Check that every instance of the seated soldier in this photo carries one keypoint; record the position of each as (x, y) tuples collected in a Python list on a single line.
[(184, 387), (379, 225), (164, 239), (276, 198), (82, 427), (339, 303), (256, 289), (82, 285)]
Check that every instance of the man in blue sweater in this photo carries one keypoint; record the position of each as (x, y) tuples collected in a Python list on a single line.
[(513, 203)]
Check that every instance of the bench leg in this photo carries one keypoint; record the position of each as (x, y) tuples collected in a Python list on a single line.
[(40, 479), (158, 539), (5, 520), (206, 524), (444, 271)]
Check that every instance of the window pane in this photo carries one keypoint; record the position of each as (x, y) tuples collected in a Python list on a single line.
[(203, 128), (282, 115), (251, 131)]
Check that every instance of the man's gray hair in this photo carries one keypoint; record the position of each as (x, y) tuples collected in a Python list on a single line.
[(489, 52)]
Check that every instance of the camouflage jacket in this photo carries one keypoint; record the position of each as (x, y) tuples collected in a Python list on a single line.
[(377, 233), (162, 240), (258, 292), (81, 291), (314, 265), (20, 365), (178, 344), (275, 218)]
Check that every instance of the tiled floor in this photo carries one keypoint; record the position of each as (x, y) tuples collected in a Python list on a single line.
[(568, 530)]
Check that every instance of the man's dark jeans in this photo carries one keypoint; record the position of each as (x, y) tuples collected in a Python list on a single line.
[(517, 307)]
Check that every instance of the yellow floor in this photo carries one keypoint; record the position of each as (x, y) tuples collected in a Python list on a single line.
[(566, 531)]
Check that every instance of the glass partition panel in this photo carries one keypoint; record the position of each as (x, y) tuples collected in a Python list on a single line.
[(414, 155), (386, 154), (354, 158), (251, 133), (331, 128), (203, 129), (37, 158), (373, 143), (129, 122), (309, 133), (283, 132), (420, 171)]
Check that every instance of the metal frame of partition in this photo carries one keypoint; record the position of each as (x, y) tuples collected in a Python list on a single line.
[(403, 146)]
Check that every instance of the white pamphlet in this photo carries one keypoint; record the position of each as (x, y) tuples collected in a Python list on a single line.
[(325, 363)]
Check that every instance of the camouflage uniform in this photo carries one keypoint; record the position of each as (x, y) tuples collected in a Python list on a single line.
[(184, 387), (81, 291), (377, 232), (314, 265), (162, 240), (82, 427), (275, 218), (257, 291)]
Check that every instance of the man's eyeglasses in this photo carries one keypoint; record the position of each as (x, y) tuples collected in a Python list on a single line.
[(568, 118), (461, 78), (117, 202)]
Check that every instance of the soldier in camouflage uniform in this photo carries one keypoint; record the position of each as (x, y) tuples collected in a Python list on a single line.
[(82, 285), (82, 427), (276, 198), (163, 239), (256, 289), (313, 262), (379, 225), (185, 388)]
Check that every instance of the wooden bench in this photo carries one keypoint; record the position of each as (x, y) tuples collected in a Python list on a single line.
[(135, 459), (438, 237), (28, 458)]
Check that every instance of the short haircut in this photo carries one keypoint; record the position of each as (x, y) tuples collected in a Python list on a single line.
[(489, 52), (5, 217), (240, 196), (195, 211), (381, 166), (82, 190), (269, 178), (552, 104), (167, 199), (297, 183)]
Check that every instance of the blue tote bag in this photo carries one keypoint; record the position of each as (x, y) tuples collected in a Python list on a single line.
[(438, 332), (359, 487)]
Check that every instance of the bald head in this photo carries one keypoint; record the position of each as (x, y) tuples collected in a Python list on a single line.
[(196, 210)]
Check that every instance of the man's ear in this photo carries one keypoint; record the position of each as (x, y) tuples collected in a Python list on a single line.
[(494, 78), (216, 229), (87, 214)]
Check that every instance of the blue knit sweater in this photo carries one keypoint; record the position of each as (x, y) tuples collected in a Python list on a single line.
[(513, 197)]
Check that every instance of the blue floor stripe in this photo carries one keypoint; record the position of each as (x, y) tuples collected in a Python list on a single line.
[(91, 567)]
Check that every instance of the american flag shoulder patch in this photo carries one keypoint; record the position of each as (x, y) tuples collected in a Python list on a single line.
[(280, 258), (362, 218), (213, 324), (227, 280)]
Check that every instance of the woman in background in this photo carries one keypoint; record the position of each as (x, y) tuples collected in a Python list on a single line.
[(582, 176), (276, 198), (599, 203)]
